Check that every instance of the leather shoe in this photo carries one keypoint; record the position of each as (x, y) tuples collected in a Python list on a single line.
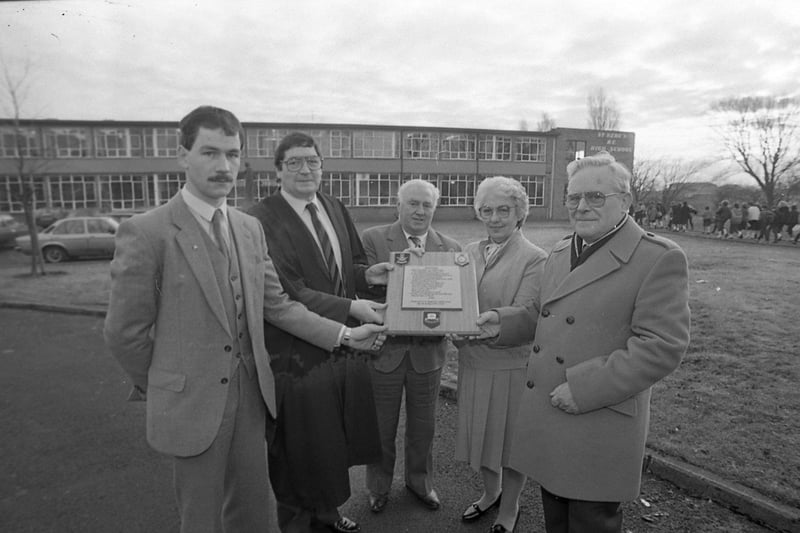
[(345, 525), (377, 502), (498, 528), (430, 500), (474, 512)]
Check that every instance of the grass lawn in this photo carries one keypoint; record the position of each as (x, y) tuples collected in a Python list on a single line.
[(733, 405)]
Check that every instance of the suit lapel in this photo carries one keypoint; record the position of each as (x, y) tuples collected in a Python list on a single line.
[(193, 245), (252, 283), (396, 238)]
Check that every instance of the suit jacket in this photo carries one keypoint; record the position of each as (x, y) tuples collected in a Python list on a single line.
[(427, 355), (167, 326), (611, 328), (302, 269)]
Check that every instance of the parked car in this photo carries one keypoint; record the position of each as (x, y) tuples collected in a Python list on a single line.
[(74, 237), (10, 229)]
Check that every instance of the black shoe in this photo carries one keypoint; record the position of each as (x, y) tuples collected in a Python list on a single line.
[(474, 512), (430, 500), (345, 525), (377, 502), (497, 528)]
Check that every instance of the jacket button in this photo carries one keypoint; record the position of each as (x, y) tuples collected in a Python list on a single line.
[(224, 381), (559, 360), (536, 348), (529, 384), (545, 313), (228, 348), (570, 320)]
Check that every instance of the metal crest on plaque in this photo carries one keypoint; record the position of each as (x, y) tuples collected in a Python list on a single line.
[(461, 259), (431, 319), (402, 258)]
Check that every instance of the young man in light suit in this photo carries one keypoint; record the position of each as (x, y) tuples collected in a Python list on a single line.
[(614, 320), (410, 363), (191, 286)]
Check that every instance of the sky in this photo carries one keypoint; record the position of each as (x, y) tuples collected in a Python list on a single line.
[(465, 63)]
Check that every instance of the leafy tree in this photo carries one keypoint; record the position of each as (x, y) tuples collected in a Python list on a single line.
[(762, 136), (546, 123), (603, 111), (12, 97)]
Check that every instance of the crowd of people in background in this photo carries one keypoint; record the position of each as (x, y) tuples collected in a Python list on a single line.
[(737, 221)]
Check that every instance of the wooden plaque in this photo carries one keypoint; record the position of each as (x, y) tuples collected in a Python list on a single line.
[(434, 294)]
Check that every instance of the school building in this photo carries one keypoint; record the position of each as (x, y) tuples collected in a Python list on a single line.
[(123, 167)]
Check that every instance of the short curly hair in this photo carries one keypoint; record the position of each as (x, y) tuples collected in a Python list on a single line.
[(505, 186)]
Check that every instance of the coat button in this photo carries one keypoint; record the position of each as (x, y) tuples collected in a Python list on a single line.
[(570, 320), (559, 360), (224, 381), (228, 348), (529, 384), (545, 313), (536, 348)]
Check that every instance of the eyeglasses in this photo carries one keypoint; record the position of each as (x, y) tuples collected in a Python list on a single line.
[(502, 212), (296, 163), (592, 198)]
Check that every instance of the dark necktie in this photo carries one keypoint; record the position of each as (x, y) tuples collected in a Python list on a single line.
[(216, 224), (415, 241), (327, 251)]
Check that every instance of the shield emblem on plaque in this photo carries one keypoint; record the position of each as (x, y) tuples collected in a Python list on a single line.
[(431, 319)]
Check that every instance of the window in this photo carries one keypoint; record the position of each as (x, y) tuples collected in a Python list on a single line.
[(375, 144), (127, 191), (529, 149), (337, 184), (576, 150), (340, 144), (494, 148), (161, 142), (19, 141), (458, 146), (267, 184), (534, 185), (73, 192), (167, 186), (457, 189), (67, 142), (68, 226), (420, 145), (118, 142), (377, 189), (99, 225)]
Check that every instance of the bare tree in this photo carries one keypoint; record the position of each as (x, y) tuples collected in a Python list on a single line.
[(762, 135), (546, 123), (666, 180), (12, 97), (603, 111), (523, 125)]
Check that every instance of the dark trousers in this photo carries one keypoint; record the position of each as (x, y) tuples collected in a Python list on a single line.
[(563, 515)]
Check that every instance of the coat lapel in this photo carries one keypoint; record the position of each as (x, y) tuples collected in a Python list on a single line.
[(614, 254), (193, 246)]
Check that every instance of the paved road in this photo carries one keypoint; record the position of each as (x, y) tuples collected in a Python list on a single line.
[(73, 455)]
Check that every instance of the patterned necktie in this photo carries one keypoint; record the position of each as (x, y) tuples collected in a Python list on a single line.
[(327, 251), (216, 224), (415, 241)]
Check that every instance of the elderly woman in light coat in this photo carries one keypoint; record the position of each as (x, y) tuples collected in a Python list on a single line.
[(491, 376)]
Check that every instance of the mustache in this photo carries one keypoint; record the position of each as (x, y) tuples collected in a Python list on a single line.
[(221, 176)]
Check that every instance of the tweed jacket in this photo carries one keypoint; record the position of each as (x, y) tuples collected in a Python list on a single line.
[(611, 328), (426, 355), (167, 327)]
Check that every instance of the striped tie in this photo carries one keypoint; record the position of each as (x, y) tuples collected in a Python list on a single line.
[(327, 251), (415, 241)]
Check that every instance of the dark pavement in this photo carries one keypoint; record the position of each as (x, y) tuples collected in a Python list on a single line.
[(73, 456)]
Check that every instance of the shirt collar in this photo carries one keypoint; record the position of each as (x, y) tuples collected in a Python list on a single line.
[(422, 238), (202, 208), (298, 204)]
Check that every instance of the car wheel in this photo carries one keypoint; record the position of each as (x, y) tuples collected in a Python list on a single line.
[(54, 254)]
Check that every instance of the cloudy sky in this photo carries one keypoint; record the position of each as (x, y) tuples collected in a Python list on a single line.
[(407, 62)]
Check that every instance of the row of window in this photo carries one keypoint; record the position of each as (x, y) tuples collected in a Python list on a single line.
[(138, 192), (381, 144)]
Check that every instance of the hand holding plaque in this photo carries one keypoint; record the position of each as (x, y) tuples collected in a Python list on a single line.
[(432, 294)]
